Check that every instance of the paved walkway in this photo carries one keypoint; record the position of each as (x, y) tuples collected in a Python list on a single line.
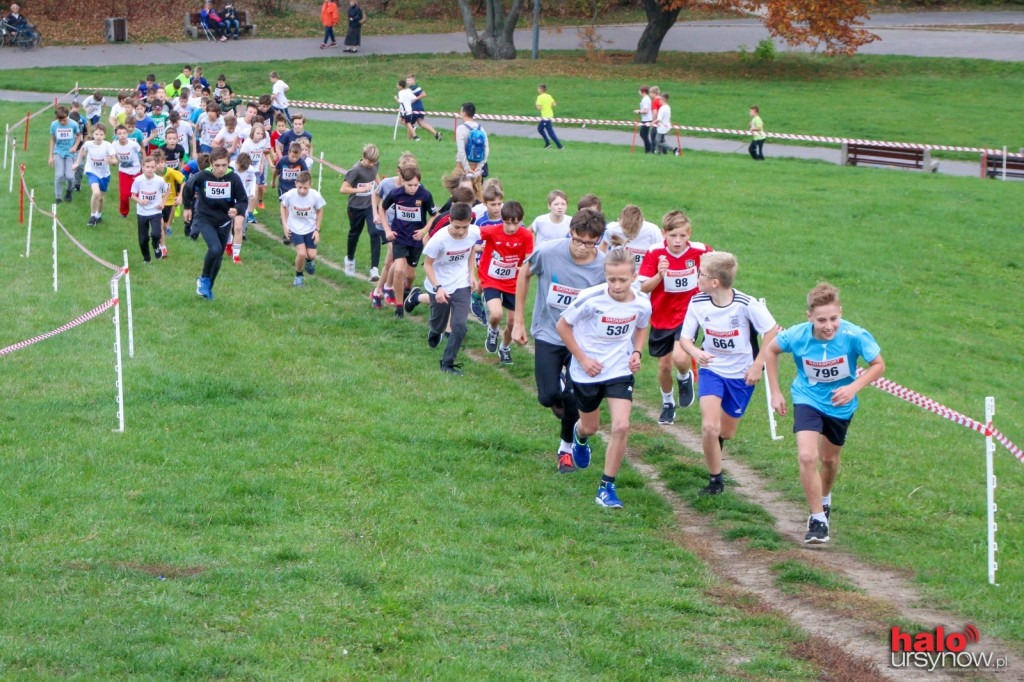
[(901, 34), (571, 134)]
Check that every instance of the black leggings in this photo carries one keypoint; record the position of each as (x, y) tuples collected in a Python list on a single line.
[(149, 229), (645, 135), (357, 218), (549, 362), (216, 239)]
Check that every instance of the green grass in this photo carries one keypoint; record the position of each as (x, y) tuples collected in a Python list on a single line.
[(938, 101), (792, 575), (337, 495)]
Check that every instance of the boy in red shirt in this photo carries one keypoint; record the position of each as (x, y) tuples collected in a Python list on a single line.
[(505, 247), (669, 274)]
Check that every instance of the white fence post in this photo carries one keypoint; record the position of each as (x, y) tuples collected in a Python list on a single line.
[(53, 207), (128, 300), (117, 354), (28, 234), (320, 172), (990, 486)]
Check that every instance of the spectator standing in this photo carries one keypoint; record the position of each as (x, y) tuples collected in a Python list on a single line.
[(355, 26), (756, 148), (664, 127), (546, 104), (471, 148), (646, 117), (329, 19)]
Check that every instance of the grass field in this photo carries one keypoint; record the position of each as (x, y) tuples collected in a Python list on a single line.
[(937, 101), (321, 503)]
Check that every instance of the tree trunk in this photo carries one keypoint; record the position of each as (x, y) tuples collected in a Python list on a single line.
[(659, 21), (496, 41)]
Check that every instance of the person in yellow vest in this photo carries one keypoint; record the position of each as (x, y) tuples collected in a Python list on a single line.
[(546, 104), (756, 148)]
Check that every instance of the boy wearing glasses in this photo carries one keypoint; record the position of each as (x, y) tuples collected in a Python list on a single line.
[(563, 267), (729, 369), (669, 274)]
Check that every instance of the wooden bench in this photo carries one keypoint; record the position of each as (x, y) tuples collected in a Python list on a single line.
[(193, 27), (916, 158), (992, 166)]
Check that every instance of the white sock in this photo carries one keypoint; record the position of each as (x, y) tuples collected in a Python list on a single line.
[(503, 346), (827, 500), (820, 517), (237, 250), (683, 377), (492, 330), (565, 446), (668, 397)]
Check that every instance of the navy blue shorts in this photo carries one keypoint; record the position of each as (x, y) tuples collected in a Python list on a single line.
[(807, 418), (508, 301), (735, 393), (306, 239)]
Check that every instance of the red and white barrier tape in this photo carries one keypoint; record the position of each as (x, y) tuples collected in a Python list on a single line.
[(70, 325), (306, 104), (21, 121), (915, 398), (33, 204)]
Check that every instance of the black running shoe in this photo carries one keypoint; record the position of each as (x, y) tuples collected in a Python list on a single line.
[(712, 489), (686, 396), (817, 532), (412, 300), (433, 338), (828, 508), (668, 414), (455, 369)]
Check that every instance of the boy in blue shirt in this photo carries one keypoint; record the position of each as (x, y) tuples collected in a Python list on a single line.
[(825, 350)]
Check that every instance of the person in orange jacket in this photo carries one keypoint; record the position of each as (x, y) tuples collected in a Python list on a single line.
[(329, 17)]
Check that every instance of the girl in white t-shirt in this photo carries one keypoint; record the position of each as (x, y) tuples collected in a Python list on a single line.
[(605, 329), (228, 136), (257, 146)]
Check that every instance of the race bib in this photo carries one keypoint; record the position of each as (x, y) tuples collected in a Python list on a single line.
[(457, 256), (638, 254), (304, 212), (148, 197), (409, 214), (98, 163), (499, 269), (65, 134), (561, 296), (826, 371), (173, 163), (160, 130), (615, 327), (680, 281), (721, 341), (289, 174), (257, 158), (218, 190)]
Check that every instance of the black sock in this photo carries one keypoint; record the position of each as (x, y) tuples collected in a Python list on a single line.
[(716, 479), (298, 273), (309, 260), (605, 478)]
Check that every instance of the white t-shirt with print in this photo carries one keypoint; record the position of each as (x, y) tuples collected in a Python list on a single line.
[(451, 257), (302, 210), (604, 329)]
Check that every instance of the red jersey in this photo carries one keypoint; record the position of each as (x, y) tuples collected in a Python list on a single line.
[(671, 298), (274, 135), (503, 254)]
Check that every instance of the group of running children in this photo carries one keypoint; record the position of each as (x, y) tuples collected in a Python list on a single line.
[(605, 290)]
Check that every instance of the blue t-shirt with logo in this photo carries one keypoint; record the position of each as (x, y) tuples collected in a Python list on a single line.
[(824, 366), (65, 135)]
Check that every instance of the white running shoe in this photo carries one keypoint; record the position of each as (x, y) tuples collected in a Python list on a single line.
[(374, 274), (350, 267)]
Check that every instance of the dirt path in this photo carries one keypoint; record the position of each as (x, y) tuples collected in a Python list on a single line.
[(854, 623)]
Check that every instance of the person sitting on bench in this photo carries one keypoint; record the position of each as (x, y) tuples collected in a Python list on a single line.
[(212, 21)]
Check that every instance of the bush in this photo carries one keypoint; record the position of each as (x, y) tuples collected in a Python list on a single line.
[(765, 50)]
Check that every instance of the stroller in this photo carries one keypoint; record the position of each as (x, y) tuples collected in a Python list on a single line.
[(24, 36)]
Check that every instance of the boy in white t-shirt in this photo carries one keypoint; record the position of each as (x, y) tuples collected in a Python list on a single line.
[(93, 107), (97, 156), (605, 329), (405, 98), (451, 270), (149, 192), (552, 225), (302, 212), (229, 136), (729, 370), (632, 233), (279, 101)]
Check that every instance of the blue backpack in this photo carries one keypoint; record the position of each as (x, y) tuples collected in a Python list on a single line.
[(476, 144)]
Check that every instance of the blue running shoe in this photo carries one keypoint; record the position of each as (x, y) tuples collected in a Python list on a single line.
[(606, 496), (477, 306), (203, 288), (310, 267), (580, 451)]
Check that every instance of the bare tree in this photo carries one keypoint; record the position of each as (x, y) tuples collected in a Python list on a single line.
[(496, 40)]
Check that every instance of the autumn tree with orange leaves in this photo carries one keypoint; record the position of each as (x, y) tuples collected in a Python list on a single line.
[(829, 24)]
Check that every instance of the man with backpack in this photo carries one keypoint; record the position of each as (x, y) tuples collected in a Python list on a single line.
[(471, 148)]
